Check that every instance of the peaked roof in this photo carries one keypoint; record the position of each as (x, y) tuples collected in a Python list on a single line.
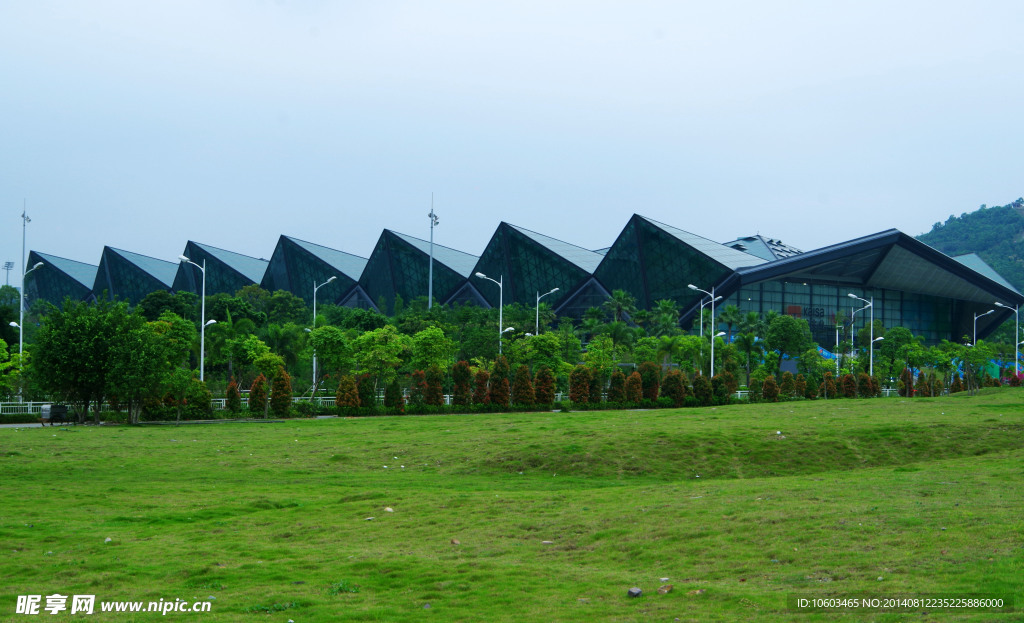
[(161, 270), (766, 248), (81, 272), (585, 259), (975, 263), (726, 256), (252, 268), (460, 262), (351, 265)]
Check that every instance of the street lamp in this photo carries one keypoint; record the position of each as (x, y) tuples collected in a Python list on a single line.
[(871, 324), (1016, 334), (21, 318), (430, 279), (713, 299), (501, 303), (976, 316), (202, 315), (539, 297), (704, 304), (315, 288)]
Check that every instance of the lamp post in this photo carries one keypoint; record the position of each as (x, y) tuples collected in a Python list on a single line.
[(1016, 335), (501, 302), (536, 330), (976, 316), (21, 311), (315, 288), (430, 279), (871, 324), (202, 316), (713, 299)]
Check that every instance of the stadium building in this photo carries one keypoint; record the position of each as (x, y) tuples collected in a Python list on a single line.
[(908, 283)]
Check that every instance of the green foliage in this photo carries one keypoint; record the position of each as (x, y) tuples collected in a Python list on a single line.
[(380, 353), (787, 387), (702, 390), (430, 347), (650, 379), (480, 382), (333, 351), (617, 387), (770, 389), (434, 392), (788, 336), (393, 398), (634, 388), (499, 392), (367, 389), (673, 387), (346, 398), (183, 304)]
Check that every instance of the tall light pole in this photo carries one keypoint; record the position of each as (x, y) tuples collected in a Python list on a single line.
[(315, 288), (713, 299), (703, 304), (536, 330), (871, 324), (501, 304), (21, 312), (430, 279), (1016, 335), (202, 315), (976, 316)]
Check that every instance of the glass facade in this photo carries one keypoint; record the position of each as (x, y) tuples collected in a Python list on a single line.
[(130, 276), (528, 263), (652, 263), (226, 271), (399, 265), (58, 278), (296, 265)]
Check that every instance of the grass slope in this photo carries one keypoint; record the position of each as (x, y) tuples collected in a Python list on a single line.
[(271, 521)]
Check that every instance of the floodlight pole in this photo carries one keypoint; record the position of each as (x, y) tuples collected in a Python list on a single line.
[(202, 316), (430, 279), (976, 316), (25, 220), (315, 288), (1016, 335), (501, 304), (871, 343), (713, 335), (536, 330)]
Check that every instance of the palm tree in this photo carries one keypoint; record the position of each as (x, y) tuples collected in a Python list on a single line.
[(620, 305), (730, 315), (669, 347), (748, 344), (666, 316)]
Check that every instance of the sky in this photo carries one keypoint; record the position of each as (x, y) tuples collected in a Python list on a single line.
[(142, 125)]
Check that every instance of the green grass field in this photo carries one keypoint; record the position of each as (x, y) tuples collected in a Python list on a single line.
[(527, 517)]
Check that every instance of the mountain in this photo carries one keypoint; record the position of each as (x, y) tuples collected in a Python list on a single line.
[(996, 234)]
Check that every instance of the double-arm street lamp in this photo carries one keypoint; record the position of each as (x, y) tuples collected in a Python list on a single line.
[(501, 304), (315, 288), (430, 278), (1016, 335), (713, 335), (202, 316), (871, 325), (536, 330)]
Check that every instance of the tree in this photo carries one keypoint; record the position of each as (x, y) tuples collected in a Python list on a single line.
[(673, 386), (665, 317), (702, 390), (233, 398), (281, 393), (522, 387), (380, 353), (617, 387), (346, 399), (620, 306), (788, 386), (544, 386), (258, 395), (430, 347), (770, 389), (461, 376), (480, 383), (634, 388), (650, 378), (283, 307), (139, 366), (499, 392), (333, 352), (72, 353), (434, 393), (579, 384), (789, 336), (730, 316)]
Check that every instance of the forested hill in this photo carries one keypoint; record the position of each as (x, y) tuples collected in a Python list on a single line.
[(996, 234)]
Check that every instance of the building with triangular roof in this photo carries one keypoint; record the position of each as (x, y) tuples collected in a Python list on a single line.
[(528, 264), (400, 265), (296, 265), (58, 278), (770, 249), (226, 271), (653, 261), (128, 276)]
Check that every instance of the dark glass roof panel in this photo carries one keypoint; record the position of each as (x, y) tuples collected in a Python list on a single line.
[(461, 263), (252, 268), (162, 270), (586, 259), (975, 263), (726, 256), (351, 265), (81, 272)]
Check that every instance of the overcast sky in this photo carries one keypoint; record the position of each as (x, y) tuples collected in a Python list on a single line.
[(142, 125)]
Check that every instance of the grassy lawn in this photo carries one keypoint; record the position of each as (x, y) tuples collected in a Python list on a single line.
[(526, 517)]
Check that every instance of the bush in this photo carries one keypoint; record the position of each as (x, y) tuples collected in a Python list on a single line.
[(233, 399), (281, 394), (393, 398), (800, 386), (702, 390), (258, 396), (499, 391), (480, 383), (417, 392), (787, 388), (650, 377), (617, 387), (433, 393), (461, 376), (770, 389), (367, 391), (849, 384), (346, 399), (673, 388), (522, 387)]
